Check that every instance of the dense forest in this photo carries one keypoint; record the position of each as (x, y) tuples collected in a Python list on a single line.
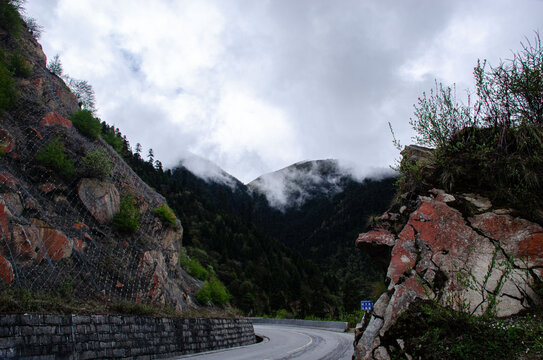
[(300, 262)]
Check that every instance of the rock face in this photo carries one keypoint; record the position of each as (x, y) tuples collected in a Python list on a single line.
[(101, 198), (6, 271), (52, 119), (55, 230), (486, 261)]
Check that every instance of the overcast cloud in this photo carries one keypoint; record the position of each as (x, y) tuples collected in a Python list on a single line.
[(256, 85)]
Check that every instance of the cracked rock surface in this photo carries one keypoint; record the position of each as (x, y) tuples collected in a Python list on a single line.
[(483, 261)]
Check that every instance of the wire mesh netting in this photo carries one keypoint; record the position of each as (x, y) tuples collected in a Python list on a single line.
[(56, 227)]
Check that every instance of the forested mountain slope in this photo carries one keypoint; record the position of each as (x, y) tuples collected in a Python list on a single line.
[(129, 246)]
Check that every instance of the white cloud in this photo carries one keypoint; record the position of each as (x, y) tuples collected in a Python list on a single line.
[(257, 85)]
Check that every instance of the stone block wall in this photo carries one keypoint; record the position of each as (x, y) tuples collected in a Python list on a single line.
[(112, 336)]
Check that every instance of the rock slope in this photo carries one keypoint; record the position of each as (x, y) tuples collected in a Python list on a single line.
[(458, 250), (56, 231)]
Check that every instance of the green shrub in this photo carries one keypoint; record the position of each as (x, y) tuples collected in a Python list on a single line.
[(283, 314), (127, 220), (128, 308), (86, 123), (492, 147), (431, 331), (193, 266), (53, 156), (10, 19), (166, 215), (96, 164), (353, 318), (115, 141), (19, 66), (8, 93), (213, 290)]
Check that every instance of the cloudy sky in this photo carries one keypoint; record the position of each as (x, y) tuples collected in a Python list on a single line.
[(256, 85)]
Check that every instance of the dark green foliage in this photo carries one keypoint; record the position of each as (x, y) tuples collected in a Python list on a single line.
[(112, 138), (129, 308), (165, 214), (13, 301), (55, 158), (433, 332), (192, 266), (96, 164), (8, 93), (474, 161), (213, 290), (19, 66), (127, 220), (86, 123), (10, 19), (223, 231)]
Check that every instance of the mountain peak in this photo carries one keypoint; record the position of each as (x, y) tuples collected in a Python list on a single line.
[(293, 185), (209, 171)]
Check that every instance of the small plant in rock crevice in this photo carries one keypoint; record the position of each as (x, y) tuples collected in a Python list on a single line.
[(54, 157), (96, 164), (165, 214), (127, 220)]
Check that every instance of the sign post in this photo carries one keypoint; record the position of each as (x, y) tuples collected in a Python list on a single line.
[(366, 305)]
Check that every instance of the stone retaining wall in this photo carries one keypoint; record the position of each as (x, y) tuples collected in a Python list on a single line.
[(112, 336)]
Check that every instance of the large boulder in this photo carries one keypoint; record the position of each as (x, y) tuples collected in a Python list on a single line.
[(489, 262), (57, 245), (101, 199), (54, 244), (26, 243)]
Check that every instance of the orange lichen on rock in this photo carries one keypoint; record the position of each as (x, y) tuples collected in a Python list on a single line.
[(52, 119)]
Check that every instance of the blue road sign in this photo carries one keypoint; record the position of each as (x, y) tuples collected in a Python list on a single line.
[(366, 305)]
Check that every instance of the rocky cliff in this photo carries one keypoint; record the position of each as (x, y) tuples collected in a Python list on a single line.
[(55, 228), (456, 250)]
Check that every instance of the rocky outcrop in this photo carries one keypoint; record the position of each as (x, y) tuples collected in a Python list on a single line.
[(56, 230), (101, 199), (478, 260), (52, 119)]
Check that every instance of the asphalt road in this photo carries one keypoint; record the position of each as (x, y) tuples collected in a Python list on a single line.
[(288, 342)]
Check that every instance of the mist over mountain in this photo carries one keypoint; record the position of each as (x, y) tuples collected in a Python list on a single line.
[(209, 171), (294, 185), (317, 206)]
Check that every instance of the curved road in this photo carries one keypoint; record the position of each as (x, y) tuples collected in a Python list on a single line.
[(288, 342)]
